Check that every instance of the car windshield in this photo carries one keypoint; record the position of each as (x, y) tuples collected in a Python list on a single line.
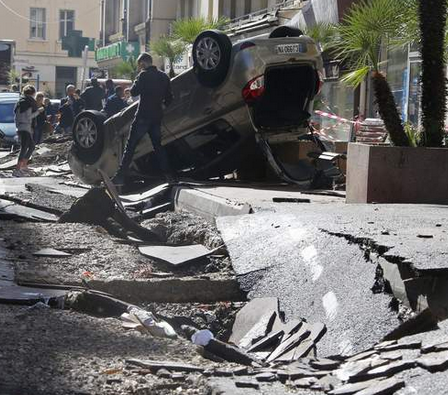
[(6, 112)]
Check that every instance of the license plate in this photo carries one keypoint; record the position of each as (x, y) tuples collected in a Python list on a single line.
[(286, 49)]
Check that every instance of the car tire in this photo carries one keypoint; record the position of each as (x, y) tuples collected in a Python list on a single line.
[(211, 57), (285, 31), (88, 136)]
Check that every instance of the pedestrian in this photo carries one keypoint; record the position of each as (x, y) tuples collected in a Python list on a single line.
[(25, 112), (128, 97), (115, 103), (110, 88), (40, 119), (70, 107), (93, 96), (50, 111), (154, 88)]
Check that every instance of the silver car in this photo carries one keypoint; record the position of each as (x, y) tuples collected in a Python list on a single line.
[(259, 87), (8, 135)]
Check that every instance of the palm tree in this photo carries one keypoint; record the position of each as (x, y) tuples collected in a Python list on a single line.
[(369, 26), (188, 29), (128, 70), (432, 21), (171, 49), (322, 33)]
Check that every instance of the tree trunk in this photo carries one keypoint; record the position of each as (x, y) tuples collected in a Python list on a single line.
[(388, 110), (433, 14)]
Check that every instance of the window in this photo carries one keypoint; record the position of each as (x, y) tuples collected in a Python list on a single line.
[(66, 22), (7, 112), (37, 23)]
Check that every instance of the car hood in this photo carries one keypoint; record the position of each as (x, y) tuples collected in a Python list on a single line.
[(8, 128)]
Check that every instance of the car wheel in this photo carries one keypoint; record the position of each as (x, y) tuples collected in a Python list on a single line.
[(88, 136), (285, 31), (211, 56)]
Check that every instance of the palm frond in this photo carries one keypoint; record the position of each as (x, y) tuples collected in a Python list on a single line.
[(188, 29), (356, 77), (322, 32), (169, 48)]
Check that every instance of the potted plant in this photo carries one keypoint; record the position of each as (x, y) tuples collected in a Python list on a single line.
[(397, 173)]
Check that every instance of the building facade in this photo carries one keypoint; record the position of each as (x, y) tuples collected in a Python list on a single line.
[(129, 26), (37, 29)]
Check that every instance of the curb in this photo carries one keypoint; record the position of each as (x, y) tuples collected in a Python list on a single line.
[(207, 205)]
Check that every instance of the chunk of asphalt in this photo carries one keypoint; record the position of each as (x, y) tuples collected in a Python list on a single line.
[(247, 384), (434, 362), (266, 377), (305, 382), (258, 331), (292, 342), (326, 383), (168, 365), (266, 342), (176, 256), (324, 364), (390, 369), (383, 387), (424, 321), (51, 253), (96, 304), (361, 355), (441, 346), (349, 389), (249, 315), (228, 352), (13, 210)]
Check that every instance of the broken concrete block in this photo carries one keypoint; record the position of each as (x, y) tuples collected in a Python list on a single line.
[(258, 331), (163, 373), (249, 315), (435, 347), (361, 355), (176, 256), (298, 373), (434, 362), (383, 387), (326, 383)]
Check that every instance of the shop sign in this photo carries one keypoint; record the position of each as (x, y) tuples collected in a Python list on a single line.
[(122, 49)]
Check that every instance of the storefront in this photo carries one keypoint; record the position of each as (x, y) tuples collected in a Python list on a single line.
[(403, 68), (112, 55)]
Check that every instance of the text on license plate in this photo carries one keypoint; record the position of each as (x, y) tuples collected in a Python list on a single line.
[(285, 49)]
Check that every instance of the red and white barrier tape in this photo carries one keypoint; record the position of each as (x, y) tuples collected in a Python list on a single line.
[(333, 116)]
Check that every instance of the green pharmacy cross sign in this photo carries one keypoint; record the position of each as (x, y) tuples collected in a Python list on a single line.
[(123, 49), (75, 43)]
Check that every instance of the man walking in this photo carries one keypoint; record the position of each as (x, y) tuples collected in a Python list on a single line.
[(93, 96), (70, 107), (154, 89)]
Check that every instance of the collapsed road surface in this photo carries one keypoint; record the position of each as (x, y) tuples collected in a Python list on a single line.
[(305, 295)]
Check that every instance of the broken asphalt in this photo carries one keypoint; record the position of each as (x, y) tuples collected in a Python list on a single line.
[(362, 273)]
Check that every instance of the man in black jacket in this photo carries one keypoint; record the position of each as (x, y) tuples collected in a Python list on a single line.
[(154, 89), (70, 107), (93, 96)]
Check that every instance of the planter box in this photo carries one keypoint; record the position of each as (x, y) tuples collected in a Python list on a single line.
[(384, 174)]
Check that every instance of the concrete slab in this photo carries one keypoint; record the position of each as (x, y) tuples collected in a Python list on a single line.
[(176, 256)]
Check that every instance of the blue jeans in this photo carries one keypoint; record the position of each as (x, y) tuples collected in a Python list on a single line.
[(138, 129)]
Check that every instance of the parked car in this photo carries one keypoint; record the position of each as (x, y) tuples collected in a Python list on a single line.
[(261, 86), (8, 136)]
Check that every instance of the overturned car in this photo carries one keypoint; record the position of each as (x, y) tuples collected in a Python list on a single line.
[(259, 87)]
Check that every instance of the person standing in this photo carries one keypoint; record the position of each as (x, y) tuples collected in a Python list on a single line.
[(110, 88), (70, 107), (93, 96), (40, 119), (25, 111), (154, 89), (115, 103)]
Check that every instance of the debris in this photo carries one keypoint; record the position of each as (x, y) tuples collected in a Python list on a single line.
[(12, 210), (305, 382), (153, 211), (267, 341), (258, 331), (176, 255), (141, 318), (39, 306), (249, 315), (352, 388), (171, 366), (96, 303), (164, 373), (390, 369), (324, 364), (424, 321), (202, 337), (51, 253), (292, 342), (425, 236)]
